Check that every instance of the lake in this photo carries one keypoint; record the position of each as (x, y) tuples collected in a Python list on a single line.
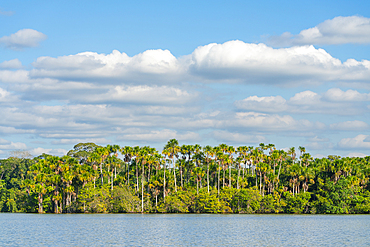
[(183, 230)]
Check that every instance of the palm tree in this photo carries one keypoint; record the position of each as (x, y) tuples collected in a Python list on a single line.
[(173, 147), (199, 173), (103, 153), (166, 153), (208, 150), (302, 150), (127, 156), (230, 150)]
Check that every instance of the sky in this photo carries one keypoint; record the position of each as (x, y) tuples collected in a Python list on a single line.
[(290, 73)]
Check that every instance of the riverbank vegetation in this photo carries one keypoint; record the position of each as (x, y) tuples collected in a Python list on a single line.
[(184, 179)]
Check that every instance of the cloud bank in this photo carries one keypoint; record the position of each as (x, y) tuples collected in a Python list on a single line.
[(24, 38), (339, 30), (230, 62)]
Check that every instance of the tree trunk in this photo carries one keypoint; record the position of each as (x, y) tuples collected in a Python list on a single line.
[(182, 184), (208, 177), (137, 179), (164, 183), (260, 183), (174, 173), (142, 190), (41, 210), (111, 187), (237, 182), (277, 181), (218, 182), (101, 173), (229, 176), (197, 185)]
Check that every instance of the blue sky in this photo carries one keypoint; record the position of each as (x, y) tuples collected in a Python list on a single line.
[(292, 73)]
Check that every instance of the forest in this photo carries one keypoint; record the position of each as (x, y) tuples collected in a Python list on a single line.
[(184, 179)]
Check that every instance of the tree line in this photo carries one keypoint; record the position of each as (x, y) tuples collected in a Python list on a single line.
[(184, 179)]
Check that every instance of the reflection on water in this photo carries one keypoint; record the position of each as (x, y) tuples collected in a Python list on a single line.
[(183, 230)]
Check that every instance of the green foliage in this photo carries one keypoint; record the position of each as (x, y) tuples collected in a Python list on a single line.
[(184, 179), (209, 203), (297, 204)]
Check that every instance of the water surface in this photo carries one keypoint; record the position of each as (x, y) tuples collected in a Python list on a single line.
[(183, 230)]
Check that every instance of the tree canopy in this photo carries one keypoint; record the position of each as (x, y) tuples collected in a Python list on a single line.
[(184, 179)]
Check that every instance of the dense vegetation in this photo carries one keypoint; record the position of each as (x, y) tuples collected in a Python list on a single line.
[(184, 179)]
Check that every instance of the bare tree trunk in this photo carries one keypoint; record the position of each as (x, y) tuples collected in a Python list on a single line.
[(237, 183), (111, 187), (208, 177), (101, 173), (164, 183), (174, 173), (142, 190), (218, 182), (229, 176)]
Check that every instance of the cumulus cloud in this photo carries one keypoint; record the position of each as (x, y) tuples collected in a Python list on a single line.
[(23, 39), (230, 62), (8, 145), (38, 151), (334, 101), (11, 64), (336, 94), (350, 125), (143, 95), (78, 140), (318, 146), (359, 142), (339, 30), (360, 155), (226, 136), (271, 122), (151, 65), (135, 134), (317, 139)]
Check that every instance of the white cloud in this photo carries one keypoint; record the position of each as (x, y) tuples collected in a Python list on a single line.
[(318, 139), (135, 134), (11, 64), (264, 104), (230, 62), (336, 94), (38, 151), (142, 95), (334, 102), (271, 122), (359, 142), (226, 136), (339, 30), (23, 39), (318, 146), (236, 61), (84, 140), (12, 145), (151, 65), (361, 155), (350, 125)]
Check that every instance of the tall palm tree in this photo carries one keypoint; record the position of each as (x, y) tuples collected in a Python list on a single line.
[(173, 147), (103, 153), (208, 150), (302, 150), (127, 156), (166, 153), (230, 150)]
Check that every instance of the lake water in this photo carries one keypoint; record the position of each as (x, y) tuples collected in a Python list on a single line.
[(183, 230)]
